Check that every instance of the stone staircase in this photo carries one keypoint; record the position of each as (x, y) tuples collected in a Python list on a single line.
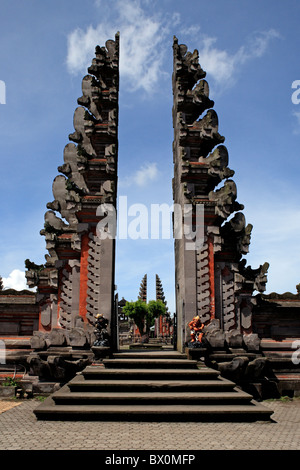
[(151, 386)]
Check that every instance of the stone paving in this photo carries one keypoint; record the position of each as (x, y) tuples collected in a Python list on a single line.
[(20, 430)]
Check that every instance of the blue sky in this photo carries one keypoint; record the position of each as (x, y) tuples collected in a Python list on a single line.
[(250, 51)]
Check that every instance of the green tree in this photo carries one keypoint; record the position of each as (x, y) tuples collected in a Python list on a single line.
[(144, 314), (156, 308), (137, 311)]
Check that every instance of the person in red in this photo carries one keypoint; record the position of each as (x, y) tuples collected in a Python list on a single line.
[(196, 329)]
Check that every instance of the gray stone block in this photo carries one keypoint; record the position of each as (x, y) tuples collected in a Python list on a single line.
[(57, 337), (38, 342), (252, 342), (77, 337), (234, 339), (216, 339)]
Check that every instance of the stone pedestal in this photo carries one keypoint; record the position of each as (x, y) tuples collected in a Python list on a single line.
[(101, 352)]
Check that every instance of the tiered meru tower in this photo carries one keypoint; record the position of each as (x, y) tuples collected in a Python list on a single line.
[(212, 281), (77, 280)]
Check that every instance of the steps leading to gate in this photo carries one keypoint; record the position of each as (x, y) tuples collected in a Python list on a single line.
[(80, 384), (151, 386)]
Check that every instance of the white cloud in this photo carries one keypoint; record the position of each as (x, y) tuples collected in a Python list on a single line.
[(147, 173), (145, 43), (81, 46), (222, 65), (15, 280), (141, 44)]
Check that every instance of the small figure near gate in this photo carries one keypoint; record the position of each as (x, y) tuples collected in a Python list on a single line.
[(102, 337), (196, 327)]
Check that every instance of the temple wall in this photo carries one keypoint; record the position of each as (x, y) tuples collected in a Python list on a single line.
[(277, 320), (19, 315)]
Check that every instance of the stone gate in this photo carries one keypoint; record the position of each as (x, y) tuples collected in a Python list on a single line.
[(78, 279)]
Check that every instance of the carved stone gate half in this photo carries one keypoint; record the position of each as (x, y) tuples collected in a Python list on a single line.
[(78, 279), (212, 280)]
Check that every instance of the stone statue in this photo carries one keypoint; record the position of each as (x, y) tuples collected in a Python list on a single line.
[(196, 327), (102, 337)]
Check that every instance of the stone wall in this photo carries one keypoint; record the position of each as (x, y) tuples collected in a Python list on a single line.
[(277, 318), (19, 313)]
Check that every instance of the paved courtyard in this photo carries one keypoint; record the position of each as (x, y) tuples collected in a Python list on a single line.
[(20, 430)]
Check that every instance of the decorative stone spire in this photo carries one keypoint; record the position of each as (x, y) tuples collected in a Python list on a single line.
[(210, 281), (159, 291), (77, 280), (143, 289)]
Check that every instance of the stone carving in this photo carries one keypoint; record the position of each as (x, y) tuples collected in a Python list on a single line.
[(218, 163), (225, 199), (66, 299), (74, 165), (203, 288), (67, 201), (93, 284), (54, 224), (91, 96), (234, 369), (228, 299), (101, 334), (257, 277), (78, 337), (252, 342), (186, 66), (54, 367), (68, 284), (214, 336), (202, 176), (237, 234), (234, 338)]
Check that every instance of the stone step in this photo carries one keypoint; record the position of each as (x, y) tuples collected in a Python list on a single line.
[(280, 354), (147, 388), (278, 345), (162, 355), (102, 373), (145, 346), (249, 412), (282, 364), (151, 363), (64, 396), (80, 384)]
